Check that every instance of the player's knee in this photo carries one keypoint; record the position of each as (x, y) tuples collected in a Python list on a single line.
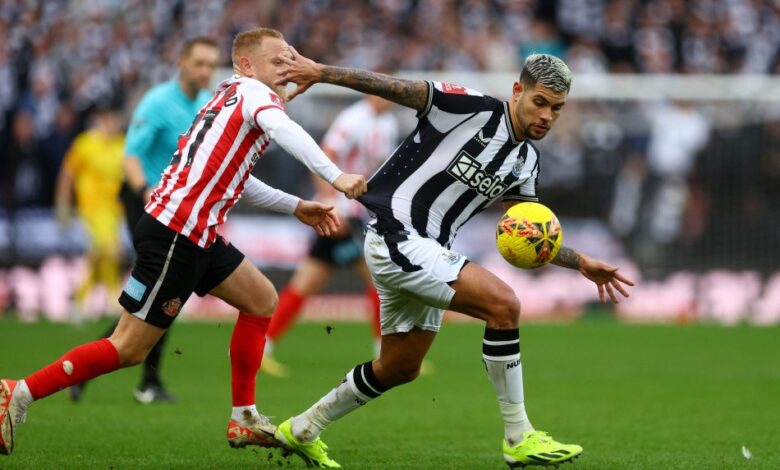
[(129, 357), (270, 304), (505, 311), (392, 374), (262, 305), (405, 374)]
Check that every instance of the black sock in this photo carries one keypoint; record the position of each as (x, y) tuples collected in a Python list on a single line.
[(152, 364)]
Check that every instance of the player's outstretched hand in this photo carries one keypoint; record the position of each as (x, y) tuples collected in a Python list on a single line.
[(606, 277), (353, 186), (300, 70), (319, 216)]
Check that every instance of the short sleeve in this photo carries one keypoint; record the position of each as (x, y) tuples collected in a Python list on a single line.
[(449, 104), (526, 189), (522, 192), (143, 129)]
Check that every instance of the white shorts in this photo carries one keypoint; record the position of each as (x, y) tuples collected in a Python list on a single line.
[(411, 278)]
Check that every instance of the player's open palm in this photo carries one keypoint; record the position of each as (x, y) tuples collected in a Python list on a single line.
[(352, 185), (319, 216), (607, 279), (300, 70)]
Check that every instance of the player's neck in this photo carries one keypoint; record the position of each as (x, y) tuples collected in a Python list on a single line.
[(514, 119)]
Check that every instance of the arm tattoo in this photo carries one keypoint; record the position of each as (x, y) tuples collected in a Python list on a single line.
[(567, 258), (410, 93)]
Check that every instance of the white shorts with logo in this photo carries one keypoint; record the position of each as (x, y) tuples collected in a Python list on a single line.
[(412, 298)]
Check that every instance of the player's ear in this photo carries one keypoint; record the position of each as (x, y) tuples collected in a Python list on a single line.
[(517, 88), (245, 66)]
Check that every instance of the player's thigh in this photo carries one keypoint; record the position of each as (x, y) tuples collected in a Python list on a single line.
[(311, 276), (418, 267), (248, 290), (133, 338), (401, 312), (336, 250), (481, 294)]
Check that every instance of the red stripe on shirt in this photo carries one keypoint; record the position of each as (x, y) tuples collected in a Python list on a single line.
[(220, 190), (213, 161), (239, 190), (181, 174)]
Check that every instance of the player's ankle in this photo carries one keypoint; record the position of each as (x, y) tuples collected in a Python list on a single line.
[(23, 394), (305, 430), (245, 414)]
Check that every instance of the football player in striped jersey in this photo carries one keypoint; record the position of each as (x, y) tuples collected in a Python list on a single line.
[(467, 151)]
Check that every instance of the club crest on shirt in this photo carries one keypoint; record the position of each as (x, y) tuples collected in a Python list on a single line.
[(172, 307), (276, 100), (518, 166)]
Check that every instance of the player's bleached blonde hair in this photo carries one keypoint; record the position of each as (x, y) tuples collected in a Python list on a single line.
[(548, 70), (252, 37)]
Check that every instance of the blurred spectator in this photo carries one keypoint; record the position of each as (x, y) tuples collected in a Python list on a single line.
[(55, 145), (544, 39), (25, 164)]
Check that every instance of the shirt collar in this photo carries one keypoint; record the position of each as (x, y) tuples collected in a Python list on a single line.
[(509, 127)]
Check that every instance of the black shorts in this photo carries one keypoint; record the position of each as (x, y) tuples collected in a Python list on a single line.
[(169, 267), (340, 251)]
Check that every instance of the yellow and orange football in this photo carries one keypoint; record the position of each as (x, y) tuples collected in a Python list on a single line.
[(529, 235)]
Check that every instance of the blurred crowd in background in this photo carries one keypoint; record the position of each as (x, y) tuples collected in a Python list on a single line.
[(675, 181)]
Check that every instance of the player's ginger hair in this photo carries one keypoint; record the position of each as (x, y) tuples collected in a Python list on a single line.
[(249, 38)]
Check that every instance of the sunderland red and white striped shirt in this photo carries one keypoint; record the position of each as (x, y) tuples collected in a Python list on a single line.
[(215, 157)]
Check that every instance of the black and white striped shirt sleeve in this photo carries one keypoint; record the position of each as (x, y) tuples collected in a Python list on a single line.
[(525, 190), (446, 100)]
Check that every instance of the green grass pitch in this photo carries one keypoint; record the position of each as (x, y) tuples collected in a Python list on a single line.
[(635, 397)]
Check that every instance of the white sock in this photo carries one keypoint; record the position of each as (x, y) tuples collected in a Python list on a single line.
[(501, 355), (358, 388), (245, 414), (23, 394), (269, 347), (22, 399)]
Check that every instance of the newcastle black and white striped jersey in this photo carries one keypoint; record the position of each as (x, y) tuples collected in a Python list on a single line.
[(461, 157)]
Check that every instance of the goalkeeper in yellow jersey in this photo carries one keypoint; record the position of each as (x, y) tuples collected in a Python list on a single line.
[(92, 170)]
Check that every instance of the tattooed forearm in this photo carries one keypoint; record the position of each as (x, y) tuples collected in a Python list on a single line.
[(567, 258), (410, 93)]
